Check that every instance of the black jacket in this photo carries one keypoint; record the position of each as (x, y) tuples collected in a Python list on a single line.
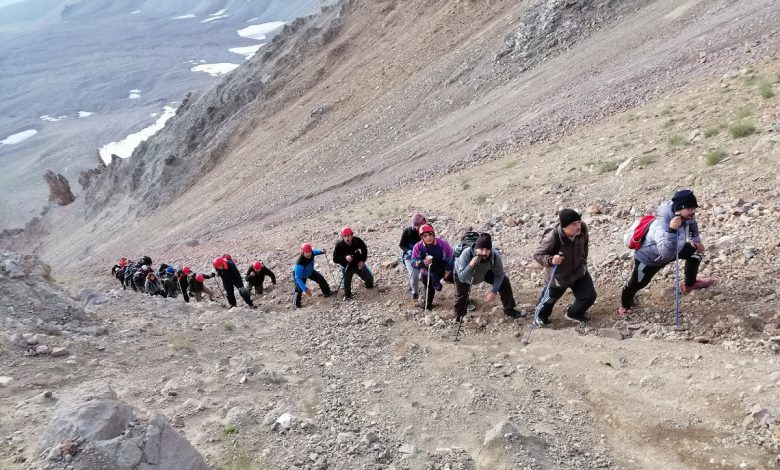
[(255, 280), (357, 249), (193, 285), (409, 238), (230, 276)]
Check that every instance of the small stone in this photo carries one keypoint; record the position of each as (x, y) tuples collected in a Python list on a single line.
[(5, 380), (345, 437), (502, 431), (389, 263), (611, 333), (408, 449), (370, 437), (42, 350), (56, 352)]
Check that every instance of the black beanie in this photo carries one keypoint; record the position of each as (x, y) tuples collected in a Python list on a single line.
[(484, 241), (684, 199), (568, 216)]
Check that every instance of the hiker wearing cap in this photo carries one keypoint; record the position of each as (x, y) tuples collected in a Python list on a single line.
[(563, 252), (435, 259), (231, 279), (673, 234), (409, 238), (170, 282), (304, 270), (255, 276), (480, 263), (351, 254), (196, 285)]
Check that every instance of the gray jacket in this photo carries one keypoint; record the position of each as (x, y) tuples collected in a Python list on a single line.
[(662, 243), (468, 275)]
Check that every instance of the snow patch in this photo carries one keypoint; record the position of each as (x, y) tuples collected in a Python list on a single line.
[(183, 17), (247, 51), (48, 118), (135, 12), (259, 31), (133, 96), (215, 69), (18, 137), (83, 114), (124, 148), (214, 18)]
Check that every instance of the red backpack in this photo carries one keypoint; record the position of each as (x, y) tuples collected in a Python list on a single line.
[(636, 235)]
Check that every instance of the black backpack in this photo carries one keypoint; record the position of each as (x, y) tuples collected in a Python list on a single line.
[(468, 240)]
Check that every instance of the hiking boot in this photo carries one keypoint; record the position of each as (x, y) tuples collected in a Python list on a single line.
[(347, 297), (574, 319), (540, 323), (415, 296), (328, 294), (701, 283), (514, 313)]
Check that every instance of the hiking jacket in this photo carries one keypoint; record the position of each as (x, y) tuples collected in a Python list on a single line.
[(575, 251), (183, 285), (409, 238), (303, 269), (662, 243), (469, 275), (193, 285), (357, 249), (443, 256), (230, 276), (255, 280), (153, 286)]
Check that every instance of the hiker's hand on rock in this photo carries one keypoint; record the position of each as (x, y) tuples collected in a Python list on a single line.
[(490, 297), (557, 259), (675, 223), (308, 293), (699, 246)]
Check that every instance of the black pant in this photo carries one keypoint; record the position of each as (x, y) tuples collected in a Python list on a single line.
[(256, 281), (231, 295), (316, 277), (643, 273), (584, 296), (463, 289), (364, 274)]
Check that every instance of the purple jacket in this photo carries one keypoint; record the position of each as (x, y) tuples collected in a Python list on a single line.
[(443, 256)]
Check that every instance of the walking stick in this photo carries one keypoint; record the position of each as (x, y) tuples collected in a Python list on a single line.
[(545, 298), (676, 281), (427, 284)]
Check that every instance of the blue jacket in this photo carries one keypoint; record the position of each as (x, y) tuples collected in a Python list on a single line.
[(663, 243), (303, 269)]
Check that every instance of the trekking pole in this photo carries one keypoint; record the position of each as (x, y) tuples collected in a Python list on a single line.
[(457, 332), (676, 281), (545, 298), (427, 285)]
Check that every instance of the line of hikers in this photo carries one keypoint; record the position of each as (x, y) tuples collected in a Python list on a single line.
[(672, 233)]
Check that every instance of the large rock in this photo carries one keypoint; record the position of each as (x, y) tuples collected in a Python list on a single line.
[(59, 189), (110, 427)]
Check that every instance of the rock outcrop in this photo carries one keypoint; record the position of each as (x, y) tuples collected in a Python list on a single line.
[(59, 189)]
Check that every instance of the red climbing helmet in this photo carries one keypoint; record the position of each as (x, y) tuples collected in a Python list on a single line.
[(220, 263), (427, 228), (346, 231), (306, 248), (185, 270), (257, 265), (199, 277), (227, 256)]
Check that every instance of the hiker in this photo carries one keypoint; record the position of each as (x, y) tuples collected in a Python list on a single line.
[(231, 278), (183, 280), (146, 261), (304, 270), (434, 258), (130, 272), (255, 276), (409, 238), (480, 263), (564, 250), (673, 233), (139, 278), (152, 286), (351, 254), (170, 282), (196, 285)]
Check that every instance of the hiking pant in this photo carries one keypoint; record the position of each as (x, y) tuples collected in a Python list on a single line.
[(205, 290), (643, 273), (413, 285), (230, 293), (430, 289), (316, 277), (584, 296), (462, 290), (256, 281), (364, 274)]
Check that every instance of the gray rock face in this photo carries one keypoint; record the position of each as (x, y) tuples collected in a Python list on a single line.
[(110, 427), (96, 417)]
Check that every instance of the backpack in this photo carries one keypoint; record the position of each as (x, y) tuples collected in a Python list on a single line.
[(468, 240), (636, 234)]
